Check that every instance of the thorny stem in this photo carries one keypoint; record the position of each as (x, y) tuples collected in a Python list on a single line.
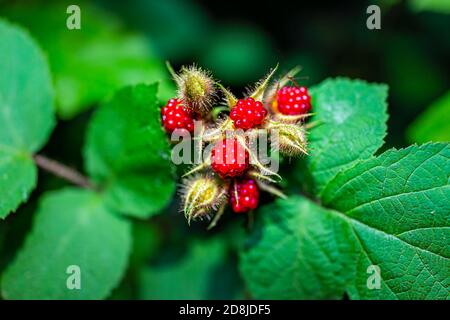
[(62, 171)]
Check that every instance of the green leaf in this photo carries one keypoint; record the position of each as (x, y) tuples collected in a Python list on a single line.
[(127, 153), (298, 250), (90, 63), (391, 211), (71, 227), (351, 116), (18, 178), (433, 124), (26, 114), (204, 272), (399, 205)]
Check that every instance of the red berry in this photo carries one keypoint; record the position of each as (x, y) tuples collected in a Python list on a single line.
[(176, 116), (247, 194), (293, 100), (229, 158), (248, 113)]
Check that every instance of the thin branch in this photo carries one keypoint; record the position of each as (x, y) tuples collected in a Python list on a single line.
[(62, 171)]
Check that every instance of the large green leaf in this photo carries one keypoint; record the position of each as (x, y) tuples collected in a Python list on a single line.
[(205, 271), (26, 113), (298, 251), (72, 227), (92, 62), (351, 117), (433, 124), (392, 211), (399, 207), (127, 153)]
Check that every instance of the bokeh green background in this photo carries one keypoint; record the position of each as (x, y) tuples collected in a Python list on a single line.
[(123, 42)]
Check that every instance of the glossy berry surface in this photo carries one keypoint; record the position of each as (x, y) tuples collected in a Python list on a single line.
[(247, 113), (229, 158), (244, 195), (175, 115), (293, 100)]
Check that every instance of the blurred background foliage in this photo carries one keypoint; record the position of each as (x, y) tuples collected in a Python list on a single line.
[(123, 42)]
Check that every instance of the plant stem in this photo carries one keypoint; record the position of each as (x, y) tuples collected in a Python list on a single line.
[(62, 171)]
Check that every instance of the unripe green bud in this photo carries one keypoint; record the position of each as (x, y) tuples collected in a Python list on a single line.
[(201, 196), (196, 88), (291, 138)]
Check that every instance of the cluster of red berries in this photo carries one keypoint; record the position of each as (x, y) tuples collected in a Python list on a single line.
[(246, 114), (230, 157)]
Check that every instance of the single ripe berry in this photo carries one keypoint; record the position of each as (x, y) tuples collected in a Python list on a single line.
[(293, 100), (176, 116), (229, 158), (247, 113), (244, 195)]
